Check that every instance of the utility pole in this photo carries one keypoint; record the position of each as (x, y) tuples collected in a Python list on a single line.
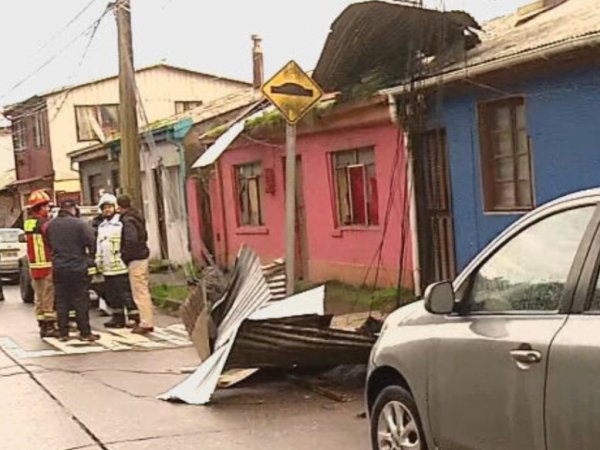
[(290, 207), (129, 159)]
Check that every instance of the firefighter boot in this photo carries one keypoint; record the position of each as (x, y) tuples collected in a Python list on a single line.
[(117, 321), (42, 325), (51, 329)]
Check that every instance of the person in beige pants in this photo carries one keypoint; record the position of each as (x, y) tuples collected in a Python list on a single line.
[(135, 253)]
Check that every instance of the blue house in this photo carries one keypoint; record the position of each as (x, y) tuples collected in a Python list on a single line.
[(512, 125)]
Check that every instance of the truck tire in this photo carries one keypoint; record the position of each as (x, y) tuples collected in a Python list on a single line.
[(27, 294)]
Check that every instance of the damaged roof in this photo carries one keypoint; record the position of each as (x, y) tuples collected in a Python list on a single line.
[(379, 41), (565, 27)]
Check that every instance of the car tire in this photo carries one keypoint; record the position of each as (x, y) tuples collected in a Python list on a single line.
[(27, 293), (396, 407)]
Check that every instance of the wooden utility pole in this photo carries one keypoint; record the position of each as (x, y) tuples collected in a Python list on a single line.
[(129, 160)]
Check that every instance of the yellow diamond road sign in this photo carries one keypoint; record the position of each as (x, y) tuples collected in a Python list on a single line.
[(292, 91)]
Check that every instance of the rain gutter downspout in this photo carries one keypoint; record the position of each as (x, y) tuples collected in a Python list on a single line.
[(589, 40), (414, 232)]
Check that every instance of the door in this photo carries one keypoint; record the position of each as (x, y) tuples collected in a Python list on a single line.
[(489, 363), (160, 213), (434, 208), (573, 386)]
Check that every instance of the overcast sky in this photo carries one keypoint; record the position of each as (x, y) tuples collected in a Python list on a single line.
[(212, 36)]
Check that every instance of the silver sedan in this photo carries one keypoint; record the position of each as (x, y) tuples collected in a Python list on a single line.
[(507, 357)]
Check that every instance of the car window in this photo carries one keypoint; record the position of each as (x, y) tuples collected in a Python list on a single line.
[(530, 271)]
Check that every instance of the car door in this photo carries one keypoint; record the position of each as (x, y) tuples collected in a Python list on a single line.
[(573, 383), (487, 374)]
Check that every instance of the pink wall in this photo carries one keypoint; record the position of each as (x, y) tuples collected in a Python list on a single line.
[(194, 218), (333, 253)]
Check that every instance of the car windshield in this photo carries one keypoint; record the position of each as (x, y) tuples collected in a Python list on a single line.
[(9, 236)]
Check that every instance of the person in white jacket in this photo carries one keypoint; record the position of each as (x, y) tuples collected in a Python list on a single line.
[(111, 266)]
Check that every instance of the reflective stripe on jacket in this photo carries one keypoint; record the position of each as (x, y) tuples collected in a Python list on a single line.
[(108, 249), (38, 250)]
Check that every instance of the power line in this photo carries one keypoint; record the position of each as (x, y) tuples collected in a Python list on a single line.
[(65, 28), (52, 58)]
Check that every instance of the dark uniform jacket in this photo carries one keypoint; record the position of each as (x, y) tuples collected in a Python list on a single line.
[(72, 242), (134, 242)]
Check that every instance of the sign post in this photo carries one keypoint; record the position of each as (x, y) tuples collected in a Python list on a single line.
[(294, 93)]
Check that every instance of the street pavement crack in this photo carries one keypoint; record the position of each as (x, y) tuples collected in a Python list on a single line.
[(74, 417)]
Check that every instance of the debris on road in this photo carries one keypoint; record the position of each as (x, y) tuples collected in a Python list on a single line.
[(252, 326)]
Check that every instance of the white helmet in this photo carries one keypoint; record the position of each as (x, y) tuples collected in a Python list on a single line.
[(107, 199)]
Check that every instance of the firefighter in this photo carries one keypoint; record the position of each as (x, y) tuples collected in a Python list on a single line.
[(72, 240), (40, 262), (111, 266)]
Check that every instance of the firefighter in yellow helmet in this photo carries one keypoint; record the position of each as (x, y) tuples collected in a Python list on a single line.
[(40, 262)]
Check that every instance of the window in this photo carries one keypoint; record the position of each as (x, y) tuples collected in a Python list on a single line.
[(18, 135), (505, 156), (529, 273), (249, 190), (96, 185), (96, 122), (181, 107), (39, 126), (356, 187)]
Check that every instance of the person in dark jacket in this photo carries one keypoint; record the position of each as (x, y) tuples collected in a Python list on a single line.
[(135, 254), (72, 241)]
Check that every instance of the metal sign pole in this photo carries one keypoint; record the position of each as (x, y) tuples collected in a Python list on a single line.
[(290, 207)]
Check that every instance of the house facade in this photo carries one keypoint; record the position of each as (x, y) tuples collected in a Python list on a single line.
[(514, 126), (46, 128), (169, 146), (352, 203)]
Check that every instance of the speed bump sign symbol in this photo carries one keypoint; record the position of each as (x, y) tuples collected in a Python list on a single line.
[(293, 92)]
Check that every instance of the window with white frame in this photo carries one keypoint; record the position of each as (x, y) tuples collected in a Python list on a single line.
[(249, 194), (96, 122), (18, 135), (356, 187), (39, 127)]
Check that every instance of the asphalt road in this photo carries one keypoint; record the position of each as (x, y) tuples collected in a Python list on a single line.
[(107, 401)]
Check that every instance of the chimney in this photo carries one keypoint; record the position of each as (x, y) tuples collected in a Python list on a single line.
[(257, 63)]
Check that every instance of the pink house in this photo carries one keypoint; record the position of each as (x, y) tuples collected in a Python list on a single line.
[(353, 212)]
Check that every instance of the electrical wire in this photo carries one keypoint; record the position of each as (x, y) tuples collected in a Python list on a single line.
[(51, 59), (65, 28)]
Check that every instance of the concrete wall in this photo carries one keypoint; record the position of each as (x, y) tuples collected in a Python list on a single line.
[(102, 168), (159, 88), (333, 252), (562, 119)]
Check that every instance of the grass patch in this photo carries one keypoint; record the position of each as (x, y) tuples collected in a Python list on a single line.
[(168, 296)]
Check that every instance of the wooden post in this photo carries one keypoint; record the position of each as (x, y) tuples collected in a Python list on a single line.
[(129, 160)]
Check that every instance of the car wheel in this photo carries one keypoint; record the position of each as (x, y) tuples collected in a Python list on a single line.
[(395, 421), (27, 294)]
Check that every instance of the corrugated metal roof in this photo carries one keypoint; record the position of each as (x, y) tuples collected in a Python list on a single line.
[(502, 38), (384, 40)]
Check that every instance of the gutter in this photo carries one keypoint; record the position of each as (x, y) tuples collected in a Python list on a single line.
[(552, 50)]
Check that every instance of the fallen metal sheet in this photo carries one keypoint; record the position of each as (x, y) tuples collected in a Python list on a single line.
[(308, 302), (248, 292), (284, 344)]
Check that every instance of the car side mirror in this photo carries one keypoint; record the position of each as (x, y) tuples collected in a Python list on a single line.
[(22, 238), (439, 298)]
